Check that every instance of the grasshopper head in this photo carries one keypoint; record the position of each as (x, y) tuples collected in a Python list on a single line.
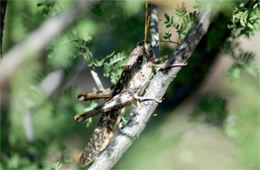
[(147, 50)]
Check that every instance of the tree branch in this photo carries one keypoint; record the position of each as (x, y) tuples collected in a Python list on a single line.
[(97, 80), (156, 89), (40, 38)]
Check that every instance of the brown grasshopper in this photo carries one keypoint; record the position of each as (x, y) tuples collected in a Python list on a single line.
[(134, 78), (130, 86)]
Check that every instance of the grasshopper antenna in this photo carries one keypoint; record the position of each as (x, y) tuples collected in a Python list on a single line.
[(147, 21)]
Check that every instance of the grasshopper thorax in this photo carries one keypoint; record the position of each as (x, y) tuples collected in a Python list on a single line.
[(147, 50)]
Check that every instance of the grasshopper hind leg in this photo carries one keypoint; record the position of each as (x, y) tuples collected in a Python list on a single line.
[(101, 94)]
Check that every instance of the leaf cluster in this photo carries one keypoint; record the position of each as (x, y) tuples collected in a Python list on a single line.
[(211, 109), (181, 22), (243, 60), (46, 7), (56, 166), (114, 66), (245, 19), (112, 63)]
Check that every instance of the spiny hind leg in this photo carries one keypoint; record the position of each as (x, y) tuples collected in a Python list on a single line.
[(139, 98), (101, 94), (142, 98), (121, 100), (84, 116)]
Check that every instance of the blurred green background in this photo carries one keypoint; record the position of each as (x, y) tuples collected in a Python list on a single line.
[(209, 119)]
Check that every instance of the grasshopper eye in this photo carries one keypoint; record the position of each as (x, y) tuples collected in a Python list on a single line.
[(140, 43)]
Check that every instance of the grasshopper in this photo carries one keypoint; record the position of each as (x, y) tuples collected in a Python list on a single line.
[(133, 78), (132, 82)]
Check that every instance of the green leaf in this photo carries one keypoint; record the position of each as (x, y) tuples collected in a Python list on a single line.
[(100, 62), (167, 17), (242, 22), (114, 66), (61, 52), (177, 26), (39, 4), (172, 20), (165, 22), (92, 105), (250, 25), (56, 166), (168, 26), (252, 69), (167, 35), (230, 26), (234, 72), (255, 6), (181, 11), (88, 122)]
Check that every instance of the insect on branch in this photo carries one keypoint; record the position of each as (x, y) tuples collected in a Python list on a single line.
[(157, 88)]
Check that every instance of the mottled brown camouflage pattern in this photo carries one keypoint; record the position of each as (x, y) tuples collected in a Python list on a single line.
[(134, 77)]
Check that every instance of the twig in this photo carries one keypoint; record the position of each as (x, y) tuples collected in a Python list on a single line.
[(28, 128), (38, 39), (52, 82), (157, 89), (97, 80), (49, 84)]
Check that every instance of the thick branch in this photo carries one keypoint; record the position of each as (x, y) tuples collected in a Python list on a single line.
[(38, 40), (157, 89)]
